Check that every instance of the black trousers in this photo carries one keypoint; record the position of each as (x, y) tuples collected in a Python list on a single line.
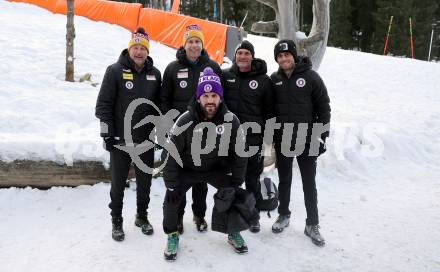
[(307, 168), (120, 163), (199, 192), (255, 166), (188, 179)]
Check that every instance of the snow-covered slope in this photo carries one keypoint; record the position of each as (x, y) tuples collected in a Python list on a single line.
[(378, 185)]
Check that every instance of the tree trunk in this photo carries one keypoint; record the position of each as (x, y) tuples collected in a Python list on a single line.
[(70, 36), (286, 26)]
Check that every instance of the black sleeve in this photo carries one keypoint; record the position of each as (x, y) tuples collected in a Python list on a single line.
[(104, 109), (172, 168), (321, 101), (238, 163), (158, 91), (269, 102), (166, 93)]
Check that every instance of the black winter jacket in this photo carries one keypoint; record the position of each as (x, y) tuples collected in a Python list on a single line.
[(180, 80), (302, 98), (213, 161), (234, 209), (250, 96), (121, 85)]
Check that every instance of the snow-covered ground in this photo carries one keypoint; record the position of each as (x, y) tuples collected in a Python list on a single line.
[(378, 185)]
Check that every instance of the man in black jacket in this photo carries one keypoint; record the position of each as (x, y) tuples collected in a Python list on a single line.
[(178, 88), (248, 94), (133, 76), (302, 106), (205, 153)]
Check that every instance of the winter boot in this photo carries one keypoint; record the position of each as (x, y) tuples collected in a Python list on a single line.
[(170, 253), (201, 224), (281, 223), (143, 223), (255, 226), (312, 231), (117, 230), (237, 242)]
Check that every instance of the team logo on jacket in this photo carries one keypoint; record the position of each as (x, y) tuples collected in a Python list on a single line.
[(220, 129), (207, 88), (129, 85), (300, 82), (183, 84), (253, 84)]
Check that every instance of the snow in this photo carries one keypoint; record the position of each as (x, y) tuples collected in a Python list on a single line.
[(378, 185)]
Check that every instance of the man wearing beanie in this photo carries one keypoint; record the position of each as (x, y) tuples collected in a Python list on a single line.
[(212, 167), (248, 94), (178, 87), (133, 76), (300, 98)]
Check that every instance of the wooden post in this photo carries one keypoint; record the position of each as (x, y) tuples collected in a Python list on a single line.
[(70, 36)]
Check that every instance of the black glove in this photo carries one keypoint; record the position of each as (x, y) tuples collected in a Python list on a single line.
[(172, 196), (109, 143), (322, 146)]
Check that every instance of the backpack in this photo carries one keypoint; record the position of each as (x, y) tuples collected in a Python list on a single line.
[(269, 192)]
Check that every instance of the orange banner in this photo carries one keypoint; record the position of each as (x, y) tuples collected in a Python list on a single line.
[(119, 13), (168, 28), (165, 27)]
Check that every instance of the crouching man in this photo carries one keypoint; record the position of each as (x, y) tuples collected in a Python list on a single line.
[(201, 149)]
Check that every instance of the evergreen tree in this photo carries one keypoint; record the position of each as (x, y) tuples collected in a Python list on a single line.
[(422, 13), (340, 24), (363, 25), (422, 21)]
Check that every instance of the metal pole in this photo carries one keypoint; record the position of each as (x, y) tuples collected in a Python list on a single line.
[(388, 35), (221, 11), (430, 44), (411, 38)]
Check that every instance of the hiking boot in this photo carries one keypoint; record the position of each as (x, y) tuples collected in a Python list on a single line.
[(170, 252), (143, 223), (201, 224), (312, 231), (281, 223), (254, 226), (117, 230), (237, 242)]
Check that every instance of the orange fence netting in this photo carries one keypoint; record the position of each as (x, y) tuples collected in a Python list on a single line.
[(165, 27), (168, 28)]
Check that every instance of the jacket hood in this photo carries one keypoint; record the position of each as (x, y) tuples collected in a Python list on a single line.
[(258, 67), (126, 61), (181, 57)]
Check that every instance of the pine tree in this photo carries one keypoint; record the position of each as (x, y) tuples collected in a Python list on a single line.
[(340, 24), (422, 21), (422, 13), (363, 26)]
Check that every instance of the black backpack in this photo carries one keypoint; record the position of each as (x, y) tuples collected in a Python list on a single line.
[(269, 192)]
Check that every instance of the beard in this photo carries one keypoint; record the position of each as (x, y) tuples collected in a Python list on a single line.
[(209, 110)]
